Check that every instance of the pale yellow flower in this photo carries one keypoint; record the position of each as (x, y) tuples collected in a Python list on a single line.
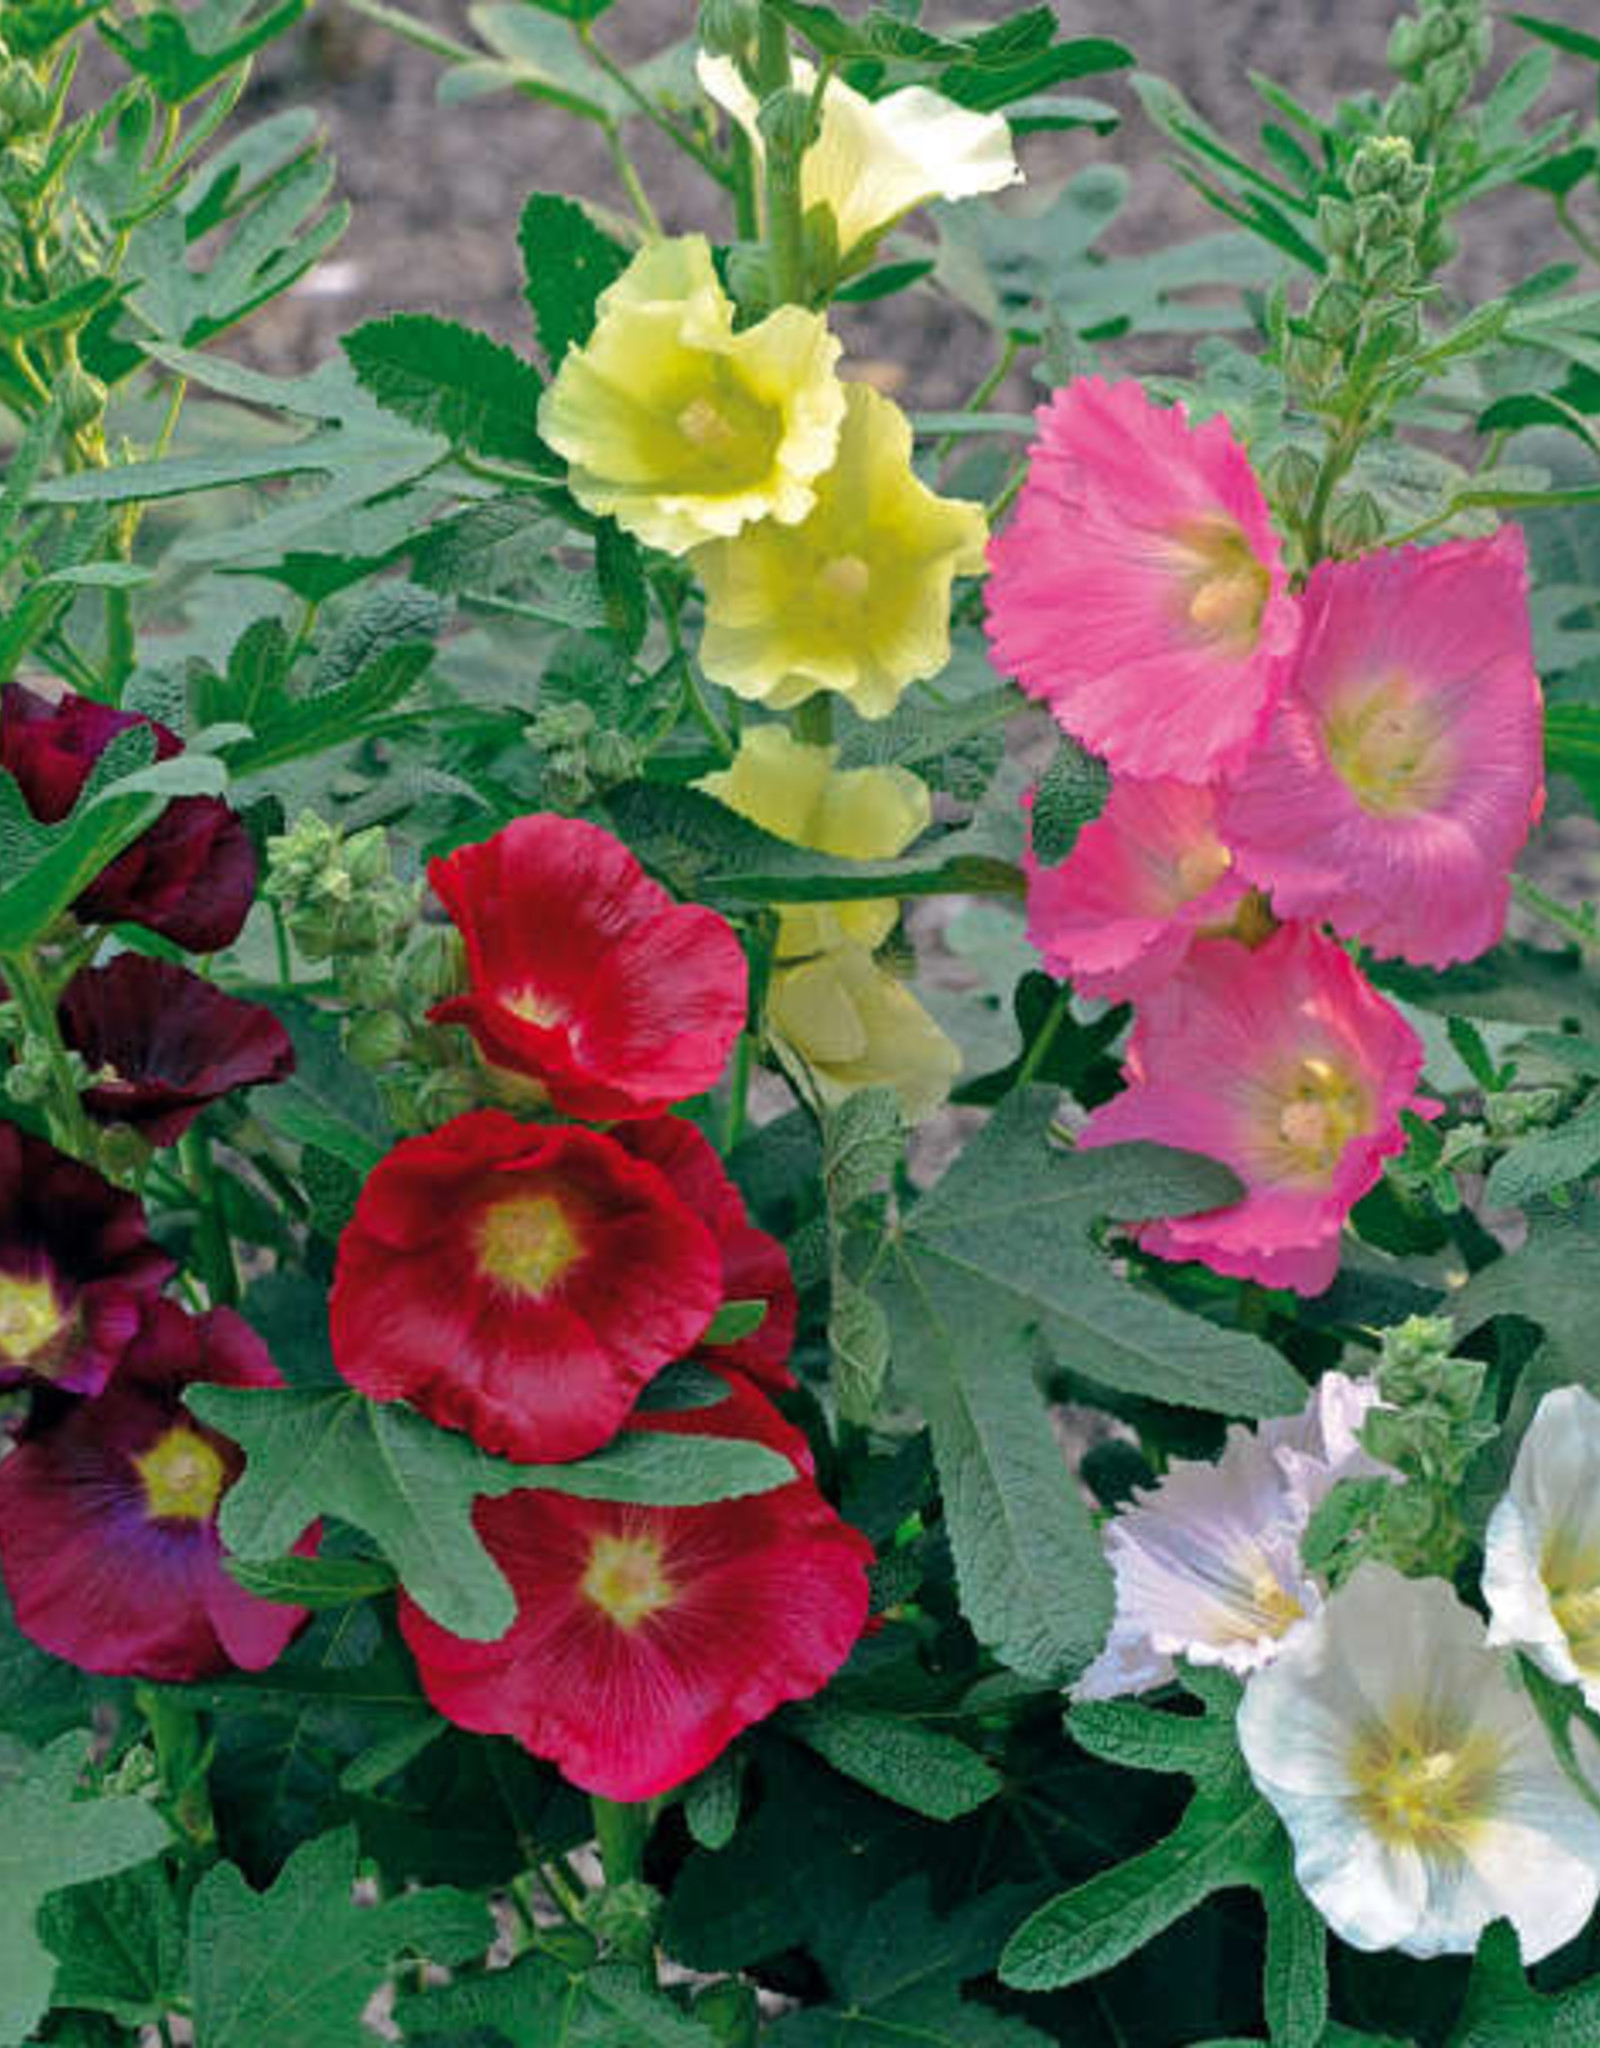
[(851, 1025), (797, 792), (874, 160), (681, 429), (853, 598)]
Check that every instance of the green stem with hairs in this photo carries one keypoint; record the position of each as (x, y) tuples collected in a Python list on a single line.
[(29, 990)]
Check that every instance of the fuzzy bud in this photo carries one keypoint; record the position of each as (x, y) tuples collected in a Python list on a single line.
[(1338, 230), (786, 121), (82, 398), (1380, 164), (557, 726), (1357, 524), (376, 1039), (24, 101), (1291, 477), (728, 28), (613, 757), (434, 966)]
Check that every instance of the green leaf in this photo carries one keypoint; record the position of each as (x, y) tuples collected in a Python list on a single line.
[(735, 1319), (1072, 793), (1502, 2009), (181, 54), (122, 1945), (1228, 1836), (539, 2003), (41, 1697), (997, 1259), (1547, 1160), (410, 1487), (1550, 1279), (918, 1767), (1572, 746), (50, 1838), (897, 1975), (448, 379), (313, 1582), (1572, 40), (298, 1963), (567, 262)]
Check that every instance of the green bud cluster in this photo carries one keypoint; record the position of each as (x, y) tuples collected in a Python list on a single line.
[(1514, 1113), (24, 100), (1437, 53), (625, 1917), (1430, 1429), (581, 756), (339, 896)]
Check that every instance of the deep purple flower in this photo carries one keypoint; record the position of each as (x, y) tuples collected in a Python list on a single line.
[(108, 1518), (191, 877), (76, 1267), (162, 1043)]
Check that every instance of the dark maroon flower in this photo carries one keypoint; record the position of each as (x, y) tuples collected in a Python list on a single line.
[(108, 1519), (161, 1043), (191, 877), (76, 1267)]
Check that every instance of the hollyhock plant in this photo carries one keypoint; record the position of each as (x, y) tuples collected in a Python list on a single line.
[(1284, 1063), (161, 1043), (854, 597), (1140, 590), (108, 1516), (647, 1638), (77, 1268), (681, 429), (191, 877), (873, 161), (797, 791), (1144, 881), (755, 1267), (850, 1024), (1207, 1562), (1417, 1783), (1404, 765), (586, 977), (1541, 1565), (521, 1282)]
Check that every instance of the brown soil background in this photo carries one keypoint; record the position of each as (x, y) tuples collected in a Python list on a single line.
[(437, 190)]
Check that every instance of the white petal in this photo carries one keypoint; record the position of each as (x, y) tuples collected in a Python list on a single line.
[(1541, 1573)]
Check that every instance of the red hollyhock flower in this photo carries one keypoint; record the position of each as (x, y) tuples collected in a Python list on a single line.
[(646, 1639), (162, 1043), (76, 1267), (755, 1267), (108, 1519), (191, 877), (586, 975), (521, 1282)]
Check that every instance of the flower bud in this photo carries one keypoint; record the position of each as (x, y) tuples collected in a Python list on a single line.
[(434, 966), (555, 726), (1337, 227), (444, 1095), (366, 857), (1407, 111), (376, 1039), (1448, 86), (24, 101), (1335, 311), (82, 398), (1357, 524), (728, 28), (1379, 164), (786, 121), (731, 2014), (613, 757), (1290, 478), (1405, 44), (121, 1152), (567, 783)]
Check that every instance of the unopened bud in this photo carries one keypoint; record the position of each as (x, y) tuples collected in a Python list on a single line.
[(1357, 524), (434, 966), (376, 1039), (121, 1151), (613, 757), (1379, 163), (556, 726), (366, 856), (24, 101), (1335, 311), (1291, 478), (1337, 226), (728, 28), (82, 398), (786, 121)]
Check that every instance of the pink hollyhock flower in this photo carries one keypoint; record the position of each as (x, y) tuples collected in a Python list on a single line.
[(108, 1518), (1139, 590), (586, 976), (1117, 916), (1284, 1063), (755, 1267), (161, 1043), (521, 1282), (76, 1268), (1404, 766), (191, 877), (647, 1638)]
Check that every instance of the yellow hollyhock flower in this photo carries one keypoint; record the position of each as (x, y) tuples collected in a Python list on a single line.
[(680, 429), (855, 597), (797, 792), (851, 1025), (874, 160)]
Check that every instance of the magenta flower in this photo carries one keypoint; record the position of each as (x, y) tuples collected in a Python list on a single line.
[(1117, 916), (191, 877), (1404, 766), (108, 1518), (76, 1268), (1139, 590), (161, 1043), (1285, 1064)]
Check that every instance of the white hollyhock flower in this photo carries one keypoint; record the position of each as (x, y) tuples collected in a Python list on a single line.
[(1207, 1563), (1541, 1570), (875, 160), (1417, 1784)]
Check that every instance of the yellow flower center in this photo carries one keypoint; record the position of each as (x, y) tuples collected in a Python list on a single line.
[(846, 579), (626, 1580), (1225, 584), (528, 1244), (183, 1477), (1319, 1113), (1571, 1574), (31, 1319), (723, 436), (1384, 747), (1422, 1785), (534, 1008), (701, 423), (1201, 867)]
